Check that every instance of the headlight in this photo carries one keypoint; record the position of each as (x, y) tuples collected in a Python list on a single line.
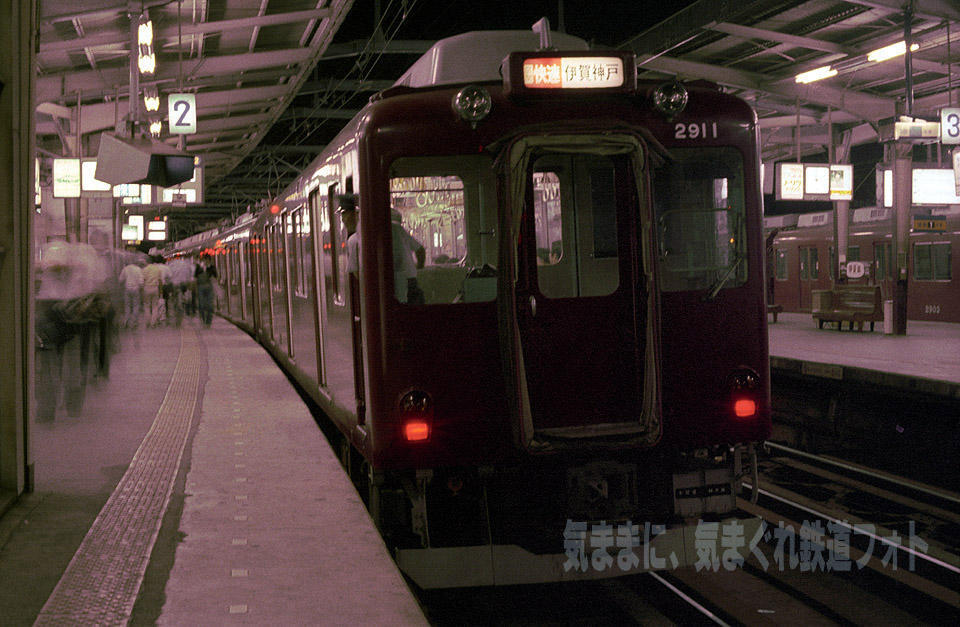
[(670, 98), (472, 104)]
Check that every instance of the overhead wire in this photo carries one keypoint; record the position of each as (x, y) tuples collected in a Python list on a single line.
[(363, 66)]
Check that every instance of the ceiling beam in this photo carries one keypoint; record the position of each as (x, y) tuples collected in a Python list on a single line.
[(52, 86), (863, 106), (748, 32), (688, 23), (924, 9), (170, 32)]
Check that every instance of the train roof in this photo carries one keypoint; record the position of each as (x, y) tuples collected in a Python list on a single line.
[(476, 56)]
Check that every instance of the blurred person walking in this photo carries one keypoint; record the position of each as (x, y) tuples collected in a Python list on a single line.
[(131, 278), (154, 276), (181, 275), (206, 276)]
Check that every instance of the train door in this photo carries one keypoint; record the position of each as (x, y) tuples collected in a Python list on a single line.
[(882, 270), (581, 295), (809, 273)]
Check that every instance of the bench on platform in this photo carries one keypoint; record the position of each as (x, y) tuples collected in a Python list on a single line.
[(848, 303), (775, 310)]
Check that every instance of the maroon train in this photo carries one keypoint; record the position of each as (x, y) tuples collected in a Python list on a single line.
[(586, 342), (800, 260)]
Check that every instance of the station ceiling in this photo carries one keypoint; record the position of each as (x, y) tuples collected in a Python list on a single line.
[(275, 80)]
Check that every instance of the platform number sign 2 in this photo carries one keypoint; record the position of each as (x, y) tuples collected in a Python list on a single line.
[(950, 126), (182, 113)]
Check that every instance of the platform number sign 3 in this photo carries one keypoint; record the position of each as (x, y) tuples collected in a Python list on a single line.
[(182, 113), (950, 126)]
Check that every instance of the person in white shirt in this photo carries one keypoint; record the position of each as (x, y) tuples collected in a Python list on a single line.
[(408, 257), (131, 277)]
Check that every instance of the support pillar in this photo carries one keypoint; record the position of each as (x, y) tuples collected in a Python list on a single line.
[(17, 32), (902, 206)]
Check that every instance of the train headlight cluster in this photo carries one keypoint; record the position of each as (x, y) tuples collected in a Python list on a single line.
[(670, 99), (416, 415), (472, 104)]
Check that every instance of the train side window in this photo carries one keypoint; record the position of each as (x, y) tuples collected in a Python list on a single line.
[(781, 265), (931, 261), (447, 207)]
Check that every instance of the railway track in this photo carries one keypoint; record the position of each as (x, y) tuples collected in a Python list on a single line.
[(855, 572)]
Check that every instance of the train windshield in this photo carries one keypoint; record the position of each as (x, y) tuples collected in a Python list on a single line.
[(699, 202), (443, 229)]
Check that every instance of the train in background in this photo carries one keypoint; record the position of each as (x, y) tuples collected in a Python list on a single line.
[(585, 344), (801, 253)]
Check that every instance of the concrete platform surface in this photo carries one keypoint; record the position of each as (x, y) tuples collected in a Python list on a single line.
[(929, 350), (192, 488)]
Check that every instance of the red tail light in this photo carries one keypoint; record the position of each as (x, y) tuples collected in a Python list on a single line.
[(416, 414), (745, 407), (744, 388), (416, 430)]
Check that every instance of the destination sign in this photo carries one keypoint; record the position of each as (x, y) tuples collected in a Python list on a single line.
[(930, 224), (544, 72)]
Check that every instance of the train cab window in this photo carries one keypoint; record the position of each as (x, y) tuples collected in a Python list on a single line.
[(931, 261), (781, 267), (575, 221), (699, 202), (853, 253), (446, 207)]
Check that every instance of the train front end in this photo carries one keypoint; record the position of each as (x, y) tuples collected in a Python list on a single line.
[(575, 374)]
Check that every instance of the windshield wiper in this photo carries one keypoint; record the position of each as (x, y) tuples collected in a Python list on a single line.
[(716, 287)]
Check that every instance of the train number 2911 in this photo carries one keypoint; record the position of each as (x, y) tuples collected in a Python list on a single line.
[(695, 130)]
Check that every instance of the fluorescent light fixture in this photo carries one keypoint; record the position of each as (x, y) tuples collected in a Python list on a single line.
[(146, 60), (817, 74), (151, 99), (891, 51), (145, 31)]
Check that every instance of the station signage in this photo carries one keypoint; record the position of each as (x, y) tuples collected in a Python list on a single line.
[(931, 186), (182, 113), (66, 178), (88, 180), (156, 230), (129, 233), (950, 125), (929, 224), (956, 170), (136, 222), (814, 181)]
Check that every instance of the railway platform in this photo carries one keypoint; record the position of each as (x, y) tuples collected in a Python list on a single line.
[(193, 487), (926, 359)]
